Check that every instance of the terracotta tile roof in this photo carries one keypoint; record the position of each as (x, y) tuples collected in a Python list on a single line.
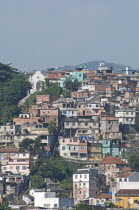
[(127, 193), (110, 118), (103, 196), (112, 160), (126, 169), (124, 174), (8, 150)]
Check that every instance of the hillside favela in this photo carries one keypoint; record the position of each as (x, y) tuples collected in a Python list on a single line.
[(69, 139)]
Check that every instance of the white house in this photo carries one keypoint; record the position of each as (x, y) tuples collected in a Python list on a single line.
[(18, 163), (126, 116), (85, 184), (34, 79), (49, 200)]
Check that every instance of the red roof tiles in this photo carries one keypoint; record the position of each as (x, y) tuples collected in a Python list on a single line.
[(112, 160)]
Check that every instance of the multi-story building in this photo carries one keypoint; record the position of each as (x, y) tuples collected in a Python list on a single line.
[(94, 151), (73, 148), (81, 126), (19, 163), (109, 166), (126, 116), (85, 184)]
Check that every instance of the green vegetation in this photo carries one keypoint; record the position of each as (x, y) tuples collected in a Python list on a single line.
[(52, 89), (48, 89), (57, 169), (37, 181), (13, 87), (32, 146), (66, 184), (4, 206), (83, 207), (31, 100), (133, 162), (52, 128), (71, 85)]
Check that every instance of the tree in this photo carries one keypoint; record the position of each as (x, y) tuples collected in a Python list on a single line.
[(69, 84), (37, 181), (133, 162), (32, 146), (58, 169), (13, 87), (52, 128), (46, 83), (83, 207), (76, 85), (66, 184), (4, 206)]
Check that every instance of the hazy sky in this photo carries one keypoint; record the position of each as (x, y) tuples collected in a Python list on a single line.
[(47, 33)]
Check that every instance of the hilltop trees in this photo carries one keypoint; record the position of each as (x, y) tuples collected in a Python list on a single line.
[(13, 87)]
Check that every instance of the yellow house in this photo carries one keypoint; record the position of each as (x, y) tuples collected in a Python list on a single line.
[(127, 198), (95, 151)]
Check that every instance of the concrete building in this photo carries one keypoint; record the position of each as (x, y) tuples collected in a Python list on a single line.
[(109, 166), (85, 184), (50, 201), (19, 163), (73, 148), (126, 116)]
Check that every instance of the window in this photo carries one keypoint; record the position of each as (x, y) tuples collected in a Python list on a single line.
[(85, 176), (84, 184), (55, 205), (63, 147), (120, 180), (63, 140), (73, 123), (67, 123), (4, 168), (76, 176), (118, 200), (80, 176), (17, 167), (11, 167), (79, 123), (46, 205), (86, 124), (125, 180), (97, 148), (70, 140), (24, 167)]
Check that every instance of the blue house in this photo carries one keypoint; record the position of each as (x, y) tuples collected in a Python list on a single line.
[(73, 75)]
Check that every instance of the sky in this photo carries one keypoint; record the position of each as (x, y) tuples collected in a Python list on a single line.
[(51, 33)]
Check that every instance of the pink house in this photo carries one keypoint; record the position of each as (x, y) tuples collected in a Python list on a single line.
[(19, 163)]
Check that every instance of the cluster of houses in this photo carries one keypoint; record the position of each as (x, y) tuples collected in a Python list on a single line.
[(96, 123)]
